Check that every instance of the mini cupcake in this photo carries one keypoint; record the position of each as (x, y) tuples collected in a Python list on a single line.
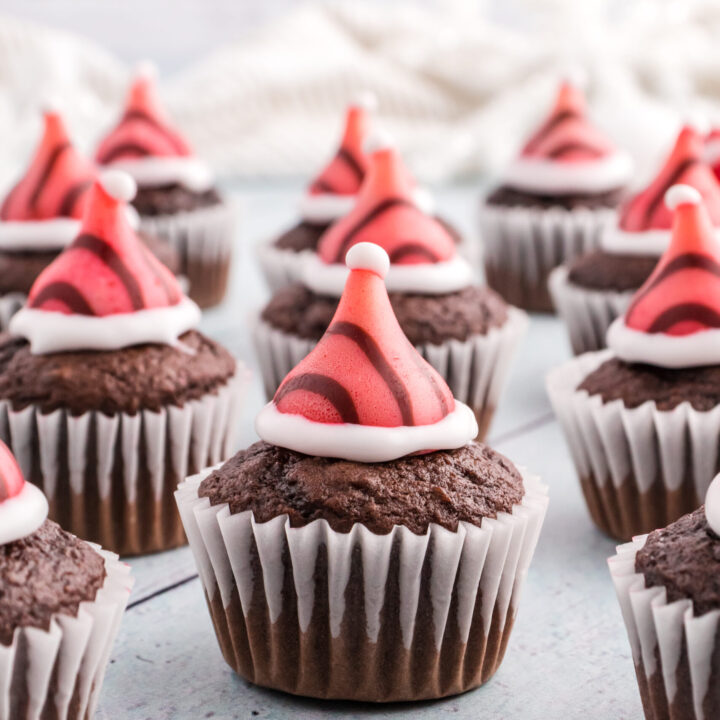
[(108, 396), (41, 215), (595, 288), (177, 199), (366, 548), (466, 332), (61, 602), (643, 419), (667, 585), (553, 203)]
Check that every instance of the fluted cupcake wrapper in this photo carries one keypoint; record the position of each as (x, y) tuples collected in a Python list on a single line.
[(203, 239), (587, 314), (280, 267), (674, 651), (10, 303), (640, 468), (111, 478), (58, 673), (475, 369), (520, 247), (359, 615)]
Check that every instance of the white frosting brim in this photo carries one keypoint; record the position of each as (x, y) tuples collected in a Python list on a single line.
[(663, 350), (23, 514), (426, 278), (38, 234), (365, 443), (647, 242), (324, 208), (565, 178), (190, 172), (49, 332)]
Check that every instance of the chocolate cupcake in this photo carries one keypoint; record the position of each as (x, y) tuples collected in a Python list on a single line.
[(466, 332), (366, 548), (108, 396), (553, 203), (594, 289), (61, 602), (176, 199), (643, 419), (41, 214), (667, 585)]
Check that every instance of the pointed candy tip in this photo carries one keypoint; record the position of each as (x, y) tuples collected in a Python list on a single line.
[(368, 256), (118, 185), (682, 195)]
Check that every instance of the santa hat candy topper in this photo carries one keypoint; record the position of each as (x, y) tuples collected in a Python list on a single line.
[(106, 290), (364, 393), (332, 193), (422, 253), (645, 220), (567, 154), (674, 319), (23, 507), (43, 210), (146, 145)]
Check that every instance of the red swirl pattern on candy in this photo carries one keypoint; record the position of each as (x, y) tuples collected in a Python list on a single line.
[(344, 174), (144, 130), (107, 269), (567, 135), (12, 481), (387, 215), (684, 166), (364, 370), (682, 296), (56, 183)]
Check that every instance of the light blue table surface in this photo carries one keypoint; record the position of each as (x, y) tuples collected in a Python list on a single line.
[(568, 657)]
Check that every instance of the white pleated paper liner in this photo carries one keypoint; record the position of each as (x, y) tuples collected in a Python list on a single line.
[(359, 615), (10, 303), (640, 468), (59, 673), (587, 313), (204, 240), (674, 651), (281, 268), (111, 478), (521, 245), (475, 369)]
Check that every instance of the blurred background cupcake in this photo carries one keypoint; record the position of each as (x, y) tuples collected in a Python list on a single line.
[(595, 288), (553, 202)]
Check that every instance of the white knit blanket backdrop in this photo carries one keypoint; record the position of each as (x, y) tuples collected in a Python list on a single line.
[(458, 85)]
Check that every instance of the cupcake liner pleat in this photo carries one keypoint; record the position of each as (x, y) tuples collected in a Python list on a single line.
[(520, 247), (674, 650), (57, 674), (203, 239), (280, 267), (587, 314), (359, 615), (10, 303), (475, 369), (640, 468), (111, 478)]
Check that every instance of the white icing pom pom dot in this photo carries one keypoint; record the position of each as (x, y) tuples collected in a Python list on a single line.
[(51, 105), (368, 256), (118, 185), (146, 69), (682, 195), (380, 139), (366, 100), (575, 75), (698, 121), (712, 505)]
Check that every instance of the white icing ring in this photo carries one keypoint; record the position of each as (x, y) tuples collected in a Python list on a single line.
[(712, 505), (565, 178), (663, 350), (426, 278), (646, 242), (365, 443), (190, 172), (49, 332), (38, 234), (23, 514)]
